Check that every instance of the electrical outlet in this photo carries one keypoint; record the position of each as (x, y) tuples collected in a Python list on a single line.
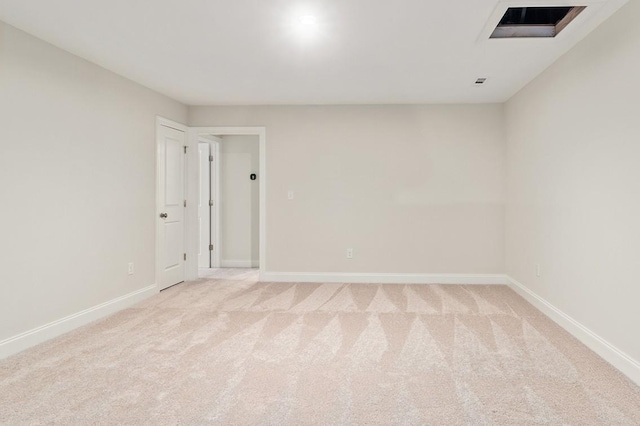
[(131, 268), (290, 195), (538, 270), (349, 253)]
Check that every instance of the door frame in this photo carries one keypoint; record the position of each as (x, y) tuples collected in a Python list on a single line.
[(161, 121), (192, 187)]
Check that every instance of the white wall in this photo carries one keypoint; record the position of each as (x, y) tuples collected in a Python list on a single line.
[(77, 183), (412, 189), (574, 182), (240, 201)]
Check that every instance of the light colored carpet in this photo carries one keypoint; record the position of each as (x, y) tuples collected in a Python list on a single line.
[(233, 351)]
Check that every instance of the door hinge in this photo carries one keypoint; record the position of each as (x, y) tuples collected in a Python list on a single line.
[(185, 149), (211, 158), (185, 203), (210, 247), (185, 256), (210, 203)]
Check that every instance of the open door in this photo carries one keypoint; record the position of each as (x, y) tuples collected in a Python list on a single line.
[(204, 206)]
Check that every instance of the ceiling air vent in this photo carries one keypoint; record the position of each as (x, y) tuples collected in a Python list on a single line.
[(527, 22)]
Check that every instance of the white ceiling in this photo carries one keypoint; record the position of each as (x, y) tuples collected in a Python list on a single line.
[(205, 52)]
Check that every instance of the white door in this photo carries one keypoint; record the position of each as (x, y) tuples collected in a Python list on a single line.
[(204, 214), (171, 206)]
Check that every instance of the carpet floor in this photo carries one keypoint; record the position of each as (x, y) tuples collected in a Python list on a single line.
[(227, 349)]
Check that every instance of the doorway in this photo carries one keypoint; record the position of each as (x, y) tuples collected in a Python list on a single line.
[(230, 208)]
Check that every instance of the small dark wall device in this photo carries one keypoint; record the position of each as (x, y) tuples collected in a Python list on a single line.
[(253, 176)]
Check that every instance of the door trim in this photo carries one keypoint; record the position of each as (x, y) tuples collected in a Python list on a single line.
[(192, 180), (164, 122)]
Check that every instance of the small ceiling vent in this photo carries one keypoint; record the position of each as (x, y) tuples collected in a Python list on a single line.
[(535, 22)]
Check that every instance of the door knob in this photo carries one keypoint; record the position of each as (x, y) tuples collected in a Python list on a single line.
[(164, 215)]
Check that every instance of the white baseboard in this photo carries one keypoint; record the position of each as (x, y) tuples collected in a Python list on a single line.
[(53, 329), (379, 278), (232, 263), (613, 355)]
